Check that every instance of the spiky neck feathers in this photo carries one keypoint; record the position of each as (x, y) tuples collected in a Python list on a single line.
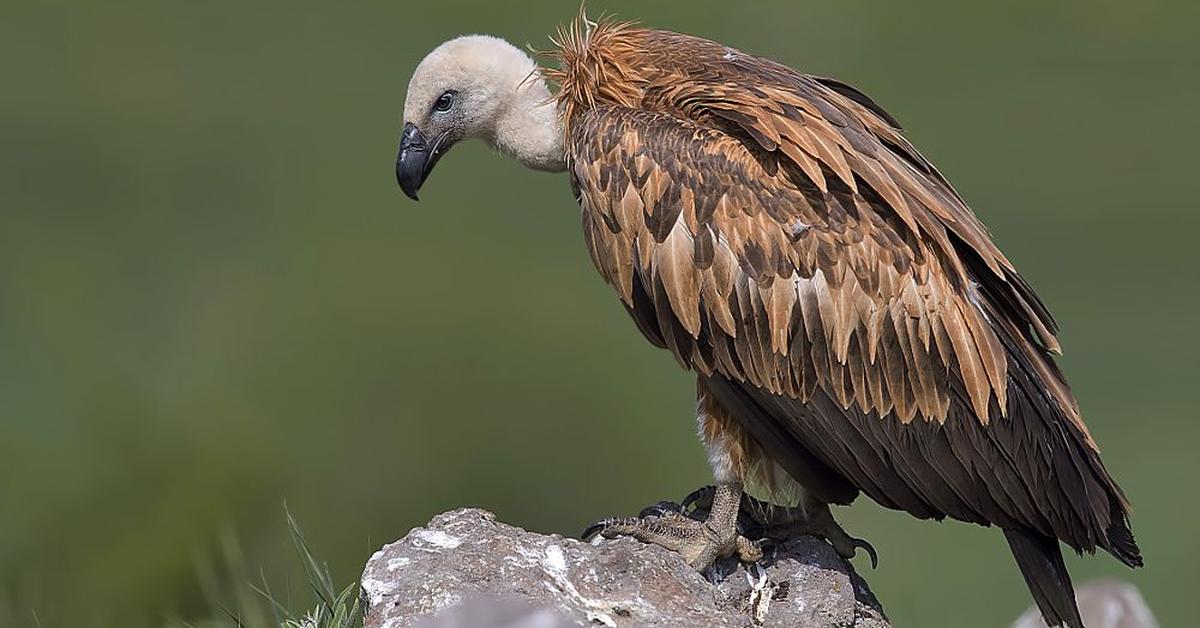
[(596, 65)]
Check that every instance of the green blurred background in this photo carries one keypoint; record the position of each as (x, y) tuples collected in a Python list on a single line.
[(213, 297)]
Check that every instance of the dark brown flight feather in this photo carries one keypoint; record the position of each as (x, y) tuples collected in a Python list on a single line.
[(779, 235)]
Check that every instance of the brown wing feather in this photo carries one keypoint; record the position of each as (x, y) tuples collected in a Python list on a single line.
[(794, 245), (788, 260)]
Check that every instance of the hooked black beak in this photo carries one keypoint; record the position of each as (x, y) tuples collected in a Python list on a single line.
[(415, 159)]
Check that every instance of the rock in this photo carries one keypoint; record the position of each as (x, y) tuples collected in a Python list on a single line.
[(1102, 604), (466, 569)]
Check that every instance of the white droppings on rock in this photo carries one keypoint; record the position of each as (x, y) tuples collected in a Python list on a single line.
[(555, 562), (528, 557), (436, 538), (555, 566), (399, 562), (762, 591)]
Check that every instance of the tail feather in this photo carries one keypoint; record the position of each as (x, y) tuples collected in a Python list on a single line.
[(1120, 540), (1041, 562)]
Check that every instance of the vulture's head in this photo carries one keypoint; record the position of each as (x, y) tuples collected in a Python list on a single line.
[(482, 87)]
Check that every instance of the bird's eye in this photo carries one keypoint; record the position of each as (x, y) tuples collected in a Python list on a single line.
[(444, 102)]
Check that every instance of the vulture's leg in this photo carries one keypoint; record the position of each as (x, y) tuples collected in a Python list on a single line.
[(735, 455), (707, 534), (700, 543), (764, 521)]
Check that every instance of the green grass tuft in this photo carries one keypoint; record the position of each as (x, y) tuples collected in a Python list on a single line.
[(257, 606)]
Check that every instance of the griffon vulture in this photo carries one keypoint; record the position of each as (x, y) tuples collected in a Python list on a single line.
[(851, 324)]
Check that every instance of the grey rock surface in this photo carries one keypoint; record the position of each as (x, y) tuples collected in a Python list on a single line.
[(1102, 604), (466, 569)]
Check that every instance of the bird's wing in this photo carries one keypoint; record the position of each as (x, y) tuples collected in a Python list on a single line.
[(838, 136), (793, 287), (843, 304)]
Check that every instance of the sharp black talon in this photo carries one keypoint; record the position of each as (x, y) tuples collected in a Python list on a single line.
[(660, 509), (767, 543), (702, 493), (870, 551), (594, 529)]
